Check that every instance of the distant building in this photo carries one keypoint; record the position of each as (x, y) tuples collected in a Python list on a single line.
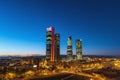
[(69, 48), (31, 60), (57, 47), (78, 49), (50, 44), (36, 61)]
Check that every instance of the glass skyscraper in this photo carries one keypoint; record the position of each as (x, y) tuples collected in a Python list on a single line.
[(50, 44), (57, 47), (69, 48), (78, 49)]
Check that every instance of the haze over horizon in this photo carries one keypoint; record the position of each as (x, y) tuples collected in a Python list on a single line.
[(23, 25)]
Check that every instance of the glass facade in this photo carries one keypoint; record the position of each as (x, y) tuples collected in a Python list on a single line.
[(69, 48), (78, 49), (57, 47), (50, 43)]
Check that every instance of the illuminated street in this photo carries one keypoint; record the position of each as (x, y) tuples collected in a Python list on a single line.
[(64, 76)]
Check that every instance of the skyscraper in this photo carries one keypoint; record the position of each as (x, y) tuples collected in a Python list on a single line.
[(69, 48), (57, 47), (50, 44), (78, 49)]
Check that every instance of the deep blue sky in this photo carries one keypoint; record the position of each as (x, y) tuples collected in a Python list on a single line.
[(23, 25)]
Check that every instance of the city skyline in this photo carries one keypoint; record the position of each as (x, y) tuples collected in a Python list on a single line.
[(23, 25)]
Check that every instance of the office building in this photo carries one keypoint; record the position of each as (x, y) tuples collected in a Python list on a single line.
[(69, 48), (78, 49), (50, 44), (57, 47)]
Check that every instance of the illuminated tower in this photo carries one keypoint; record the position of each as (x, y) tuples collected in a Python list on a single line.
[(69, 48), (50, 44), (57, 47), (78, 49)]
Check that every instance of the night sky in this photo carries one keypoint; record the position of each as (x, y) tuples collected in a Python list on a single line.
[(23, 25)]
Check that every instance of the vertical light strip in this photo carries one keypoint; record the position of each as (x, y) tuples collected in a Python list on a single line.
[(52, 55)]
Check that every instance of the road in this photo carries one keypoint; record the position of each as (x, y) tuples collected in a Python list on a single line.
[(64, 76)]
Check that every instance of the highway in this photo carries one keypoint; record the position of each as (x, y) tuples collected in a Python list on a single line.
[(64, 76)]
